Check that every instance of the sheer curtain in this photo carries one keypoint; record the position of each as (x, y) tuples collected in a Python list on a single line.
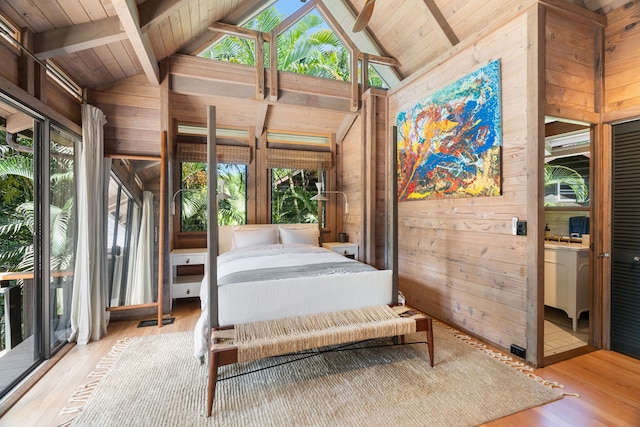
[(90, 293), (139, 289)]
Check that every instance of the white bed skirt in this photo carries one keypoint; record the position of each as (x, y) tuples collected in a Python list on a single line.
[(277, 299)]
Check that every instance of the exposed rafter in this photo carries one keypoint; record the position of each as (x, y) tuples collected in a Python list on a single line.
[(79, 37), (128, 13), (442, 22)]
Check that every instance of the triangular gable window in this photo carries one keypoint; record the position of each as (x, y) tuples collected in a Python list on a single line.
[(308, 46)]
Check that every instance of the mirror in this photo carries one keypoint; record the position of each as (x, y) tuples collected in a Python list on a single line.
[(132, 230)]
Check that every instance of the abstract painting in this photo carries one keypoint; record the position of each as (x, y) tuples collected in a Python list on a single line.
[(449, 143)]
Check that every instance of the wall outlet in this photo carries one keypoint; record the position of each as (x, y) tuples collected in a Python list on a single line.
[(518, 351), (514, 225)]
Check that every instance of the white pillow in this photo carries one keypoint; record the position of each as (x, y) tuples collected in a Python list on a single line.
[(308, 236), (245, 237)]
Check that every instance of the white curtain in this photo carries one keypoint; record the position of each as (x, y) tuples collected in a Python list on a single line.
[(90, 293), (139, 289), (134, 221)]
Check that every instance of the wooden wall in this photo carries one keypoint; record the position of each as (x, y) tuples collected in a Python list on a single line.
[(573, 65), (457, 257), (9, 60), (621, 63), (22, 83), (132, 107)]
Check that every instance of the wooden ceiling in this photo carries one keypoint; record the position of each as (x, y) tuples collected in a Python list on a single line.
[(98, 42)]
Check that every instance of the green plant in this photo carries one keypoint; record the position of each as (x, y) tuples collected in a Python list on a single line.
[(558, 174), (308, 47), (17, 216)]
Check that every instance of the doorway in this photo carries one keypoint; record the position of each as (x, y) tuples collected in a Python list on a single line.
[(567, 207)]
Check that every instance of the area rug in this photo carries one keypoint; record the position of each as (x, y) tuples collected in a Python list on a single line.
[(156, 381)]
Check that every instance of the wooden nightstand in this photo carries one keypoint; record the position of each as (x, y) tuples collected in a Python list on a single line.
[(350, 250)]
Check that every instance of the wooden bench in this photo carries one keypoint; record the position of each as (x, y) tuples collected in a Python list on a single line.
[(254, 341)]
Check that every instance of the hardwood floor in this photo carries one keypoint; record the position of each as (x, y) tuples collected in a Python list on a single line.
[(608, 383)]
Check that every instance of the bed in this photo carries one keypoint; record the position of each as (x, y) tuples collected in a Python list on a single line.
[(267, 272)]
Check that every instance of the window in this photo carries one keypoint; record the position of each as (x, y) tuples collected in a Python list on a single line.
[(8, 31), (232, 208), (567, 181), (291, 193)]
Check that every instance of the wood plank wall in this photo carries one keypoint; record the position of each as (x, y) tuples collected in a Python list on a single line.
[(457, 257), (58, 104), (132, 107), (621, 64), (9, 60), (571, 64)]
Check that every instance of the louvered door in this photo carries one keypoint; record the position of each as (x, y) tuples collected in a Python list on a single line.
[(625, 280)]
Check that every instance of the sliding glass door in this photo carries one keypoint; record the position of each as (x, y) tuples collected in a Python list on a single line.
[(37, 240), (62, 220)]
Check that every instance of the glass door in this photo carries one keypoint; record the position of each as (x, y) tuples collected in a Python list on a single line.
[(62, 220), (37, 240), (20, 241)]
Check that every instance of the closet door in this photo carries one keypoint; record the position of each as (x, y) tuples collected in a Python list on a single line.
[(625, 280)]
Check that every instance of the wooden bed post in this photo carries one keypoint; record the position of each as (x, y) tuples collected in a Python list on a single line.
[(212, 216), (392, 214)]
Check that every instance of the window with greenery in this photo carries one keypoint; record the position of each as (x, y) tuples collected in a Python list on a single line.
[(308, 47), (291, 193), (232, 181)]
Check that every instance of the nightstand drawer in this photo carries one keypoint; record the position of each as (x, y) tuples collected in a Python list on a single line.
[(188, 259), (186, 287)]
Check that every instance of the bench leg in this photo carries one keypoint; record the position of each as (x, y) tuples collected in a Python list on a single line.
[(426, 324), (214, 363)]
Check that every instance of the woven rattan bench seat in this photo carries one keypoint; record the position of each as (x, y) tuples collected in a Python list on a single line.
[(259, 340)]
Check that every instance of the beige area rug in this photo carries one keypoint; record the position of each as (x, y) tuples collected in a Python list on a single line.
[(156, 381)]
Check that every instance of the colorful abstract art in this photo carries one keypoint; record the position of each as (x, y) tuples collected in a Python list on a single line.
[(449, 144)]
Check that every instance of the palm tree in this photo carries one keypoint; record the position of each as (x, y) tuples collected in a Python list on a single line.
[(18, 224), (291, 197), (231, 211), (558, 174)]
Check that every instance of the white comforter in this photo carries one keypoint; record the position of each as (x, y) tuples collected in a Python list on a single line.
[(273, 295)]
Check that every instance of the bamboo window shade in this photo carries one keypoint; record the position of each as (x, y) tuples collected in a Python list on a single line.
[(234, 154), (299, 159)]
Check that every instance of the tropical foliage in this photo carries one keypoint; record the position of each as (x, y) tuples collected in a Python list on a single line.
[(309, 47), (17, 225), (555, 175), (231, 211), (292, 190)]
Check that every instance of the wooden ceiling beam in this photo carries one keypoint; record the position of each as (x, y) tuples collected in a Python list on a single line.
[(236, 31), (261, 117), (153, 12), (75, 38), (128, 13), (346, 124), (443, 24), (382, 60)]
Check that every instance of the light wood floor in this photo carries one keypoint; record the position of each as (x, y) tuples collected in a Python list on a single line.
[(608, 383)]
